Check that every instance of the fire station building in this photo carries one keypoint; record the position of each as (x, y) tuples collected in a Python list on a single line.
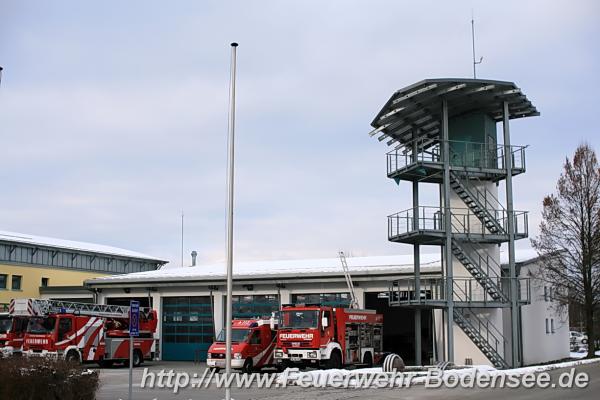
[(31, 266), (191, 303)]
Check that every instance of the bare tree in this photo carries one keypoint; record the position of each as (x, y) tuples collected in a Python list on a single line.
[(569, 240)]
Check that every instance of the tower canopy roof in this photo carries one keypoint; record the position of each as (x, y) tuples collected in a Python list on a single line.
[(418, 107)]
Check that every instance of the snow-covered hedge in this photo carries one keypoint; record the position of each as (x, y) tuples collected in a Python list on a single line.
[(40, 378)]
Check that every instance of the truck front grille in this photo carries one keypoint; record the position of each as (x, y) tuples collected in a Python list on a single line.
[(291, 344)]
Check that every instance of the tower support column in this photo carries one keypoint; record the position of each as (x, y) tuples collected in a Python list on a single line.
[(514, 296), (417, 267), (448, 231)]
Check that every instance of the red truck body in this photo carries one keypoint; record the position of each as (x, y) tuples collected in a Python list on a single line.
[(79, 333), (12, 333), (253, 342), (329, 337)]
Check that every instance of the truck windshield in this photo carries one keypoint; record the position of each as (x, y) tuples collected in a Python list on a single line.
[(5, 324), (237, 335), (41, 325), (300, 319)]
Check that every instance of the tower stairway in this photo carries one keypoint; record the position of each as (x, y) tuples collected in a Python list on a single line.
[(484, 269), (480, 202), (484, 334)]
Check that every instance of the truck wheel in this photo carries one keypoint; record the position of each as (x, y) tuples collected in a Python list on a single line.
[(72, 356), (138, 358), (368, 360), (335, 361), (247, 368)]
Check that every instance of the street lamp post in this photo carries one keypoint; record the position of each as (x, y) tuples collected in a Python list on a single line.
[(230, 181)]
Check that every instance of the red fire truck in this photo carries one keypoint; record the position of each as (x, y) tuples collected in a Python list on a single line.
[(84, 332), (253, 342), (12, 332), (328, 337)]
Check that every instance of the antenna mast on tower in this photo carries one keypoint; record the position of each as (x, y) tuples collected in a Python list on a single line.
[(475, 62)]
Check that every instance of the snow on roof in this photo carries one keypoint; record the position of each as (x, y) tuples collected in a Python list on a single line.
[(72, 245), (399, 264), (282, 268), (521, 256)]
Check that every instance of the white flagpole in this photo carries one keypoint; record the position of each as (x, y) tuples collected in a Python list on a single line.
[(230, 176)]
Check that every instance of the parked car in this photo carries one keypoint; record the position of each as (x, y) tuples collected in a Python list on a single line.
[(578, 337)]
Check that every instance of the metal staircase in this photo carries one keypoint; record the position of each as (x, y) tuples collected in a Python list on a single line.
[(484, 269), (484, 334), (478, 201)]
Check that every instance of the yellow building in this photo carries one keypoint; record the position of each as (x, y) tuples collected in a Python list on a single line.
[(34, 265)]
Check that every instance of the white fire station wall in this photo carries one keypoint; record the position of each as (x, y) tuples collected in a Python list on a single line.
[(464, 349), (539, 344)]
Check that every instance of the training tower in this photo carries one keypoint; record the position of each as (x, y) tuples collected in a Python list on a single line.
[(443, 132)]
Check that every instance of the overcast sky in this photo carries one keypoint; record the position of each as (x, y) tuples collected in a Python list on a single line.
[(113, 115)]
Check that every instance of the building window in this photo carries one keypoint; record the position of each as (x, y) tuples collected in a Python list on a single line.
[(552, 325), (45, 282), (547, 326), (3, 279), (16, 282), (326, 299), (545, 293), (253, 306)]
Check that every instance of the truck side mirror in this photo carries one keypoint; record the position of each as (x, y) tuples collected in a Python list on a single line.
[(324, 322), (275, 319)]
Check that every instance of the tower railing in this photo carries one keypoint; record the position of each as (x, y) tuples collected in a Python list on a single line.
[(427, 150), (467, 292), (462, 154), (463, 221)]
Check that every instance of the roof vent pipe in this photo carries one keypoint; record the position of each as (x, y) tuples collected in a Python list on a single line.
[(194, 254)]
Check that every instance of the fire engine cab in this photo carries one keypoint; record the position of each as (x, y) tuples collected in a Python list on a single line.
[(252, 345), (5, 324), (12, 332), (84, 332), (328, 337)]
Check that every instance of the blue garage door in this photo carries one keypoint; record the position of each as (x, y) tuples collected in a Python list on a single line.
[(187, 327)]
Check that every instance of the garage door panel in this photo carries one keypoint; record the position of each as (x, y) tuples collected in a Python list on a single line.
[(187, 326)]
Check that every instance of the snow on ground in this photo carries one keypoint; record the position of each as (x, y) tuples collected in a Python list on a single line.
[(321, 378), (582, 354)]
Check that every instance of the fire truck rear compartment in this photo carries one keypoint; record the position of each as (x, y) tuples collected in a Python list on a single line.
[(399, 329)]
